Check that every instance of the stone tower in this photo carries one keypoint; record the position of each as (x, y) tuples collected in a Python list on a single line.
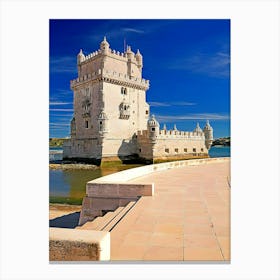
[(109, 104), (111, 117)]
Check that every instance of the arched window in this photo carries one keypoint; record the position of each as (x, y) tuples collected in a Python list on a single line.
[(124, 91)]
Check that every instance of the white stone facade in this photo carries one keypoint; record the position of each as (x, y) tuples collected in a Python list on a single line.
[(112, 119)]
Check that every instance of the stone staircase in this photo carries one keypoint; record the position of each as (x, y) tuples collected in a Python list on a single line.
[(109, 220)]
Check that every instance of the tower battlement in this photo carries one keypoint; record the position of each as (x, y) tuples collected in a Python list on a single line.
[(174, 134), (111, 76), (126, 63), (112, 53)]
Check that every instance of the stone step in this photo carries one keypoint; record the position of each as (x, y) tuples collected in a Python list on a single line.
[(118, 217), (104, 222), (100, 221)]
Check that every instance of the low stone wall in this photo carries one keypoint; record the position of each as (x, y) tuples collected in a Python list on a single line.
[(78, 245), (126, 175), (110, 190)]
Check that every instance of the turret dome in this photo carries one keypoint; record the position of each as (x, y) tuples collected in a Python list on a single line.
[(80, 57), (197, 129), (138, 54), (207, 126), (152, 121), (104, 45)]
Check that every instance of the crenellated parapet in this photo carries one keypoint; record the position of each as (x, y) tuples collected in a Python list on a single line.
[(123, 56), (111, 77), (180, 134), (97, 54), (174, 134)]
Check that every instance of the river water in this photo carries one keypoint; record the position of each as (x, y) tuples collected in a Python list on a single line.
[(69, 186)]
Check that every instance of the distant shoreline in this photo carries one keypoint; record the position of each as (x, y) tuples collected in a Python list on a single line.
[(72, 166)]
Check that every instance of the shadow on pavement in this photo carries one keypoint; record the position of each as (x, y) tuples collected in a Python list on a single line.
[(66, 221)]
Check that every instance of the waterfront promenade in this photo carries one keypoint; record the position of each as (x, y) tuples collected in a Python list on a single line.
[(187, 219)]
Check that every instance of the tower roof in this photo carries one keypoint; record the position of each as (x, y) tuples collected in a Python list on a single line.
[(152, 121), (104, 43), (80, 57), (138, 54), (197, 129), (207, 126), (81, 54)]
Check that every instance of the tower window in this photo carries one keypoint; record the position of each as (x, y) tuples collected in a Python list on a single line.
[(176, 150), (201, 149), (86, 124), (167, 150), (185, 150), (194, 150), (147, 112), (100, 126), (124, 91), (153, 129)]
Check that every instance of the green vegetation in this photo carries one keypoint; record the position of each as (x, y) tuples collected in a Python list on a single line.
[(224, 141), (56, 142), (66, 200)]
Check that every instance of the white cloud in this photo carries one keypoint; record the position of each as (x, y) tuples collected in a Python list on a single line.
[(63, 91), (158, 104), (63, 64), (59, 124), (213, 65), (133, 30), (202, 116), (167, 104), (53, 103)]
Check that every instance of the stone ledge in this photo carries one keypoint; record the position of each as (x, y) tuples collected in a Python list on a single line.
[(78, 245)]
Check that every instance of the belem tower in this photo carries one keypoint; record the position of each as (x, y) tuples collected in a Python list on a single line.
[(112, 119)]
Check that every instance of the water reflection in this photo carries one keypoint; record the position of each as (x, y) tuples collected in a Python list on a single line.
[(69, 186)]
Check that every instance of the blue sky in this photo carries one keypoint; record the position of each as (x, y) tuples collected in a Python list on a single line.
[(186, 61)]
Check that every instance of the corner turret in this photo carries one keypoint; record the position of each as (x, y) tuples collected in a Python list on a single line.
[(80, 57), (208, 132), (139, 59), (129, 53), (153, 128), (104, 46), (197, 129)]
